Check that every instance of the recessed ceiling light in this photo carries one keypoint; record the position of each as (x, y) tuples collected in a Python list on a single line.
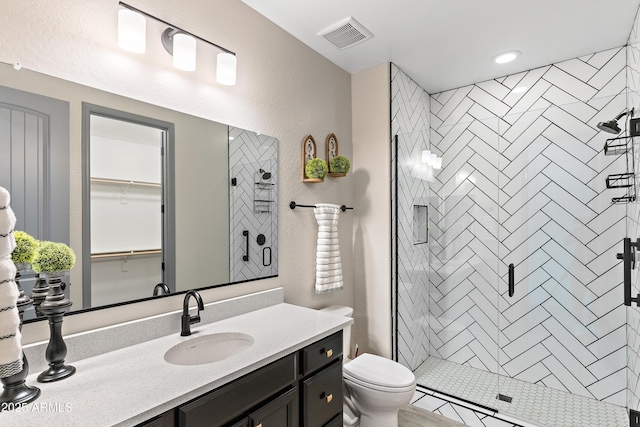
[(505, 57), (520, 89)]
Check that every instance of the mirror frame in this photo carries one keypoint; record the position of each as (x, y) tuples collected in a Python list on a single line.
[(169, 200)]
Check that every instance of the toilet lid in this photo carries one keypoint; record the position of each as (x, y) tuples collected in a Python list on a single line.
[(376, 370)]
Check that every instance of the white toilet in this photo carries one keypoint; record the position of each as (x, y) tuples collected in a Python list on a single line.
[(375, 387)]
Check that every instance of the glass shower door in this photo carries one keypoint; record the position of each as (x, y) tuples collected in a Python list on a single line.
[(562, 326), (464, 255)]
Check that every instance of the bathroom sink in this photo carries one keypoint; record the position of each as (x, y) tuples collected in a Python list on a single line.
[(208, 348)]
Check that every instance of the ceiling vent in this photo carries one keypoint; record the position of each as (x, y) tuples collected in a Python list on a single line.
[(346, 33)]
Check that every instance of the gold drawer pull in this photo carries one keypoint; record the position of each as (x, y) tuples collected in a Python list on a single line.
[(329, 398), (330, 352)]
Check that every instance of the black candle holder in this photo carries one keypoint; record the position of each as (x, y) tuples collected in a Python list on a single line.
[(39, 293), (54, 307), (15, 389)]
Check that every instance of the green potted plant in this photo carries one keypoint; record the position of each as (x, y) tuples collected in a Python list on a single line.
[(24, 251), (339, 166), (53, 258), (316, 169)]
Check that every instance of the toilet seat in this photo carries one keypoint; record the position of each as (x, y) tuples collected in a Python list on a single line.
[(378, 373), (378, 387)]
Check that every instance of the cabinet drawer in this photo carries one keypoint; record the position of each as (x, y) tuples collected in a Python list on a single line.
[(335, 422), (165, 420), (282, 412), (232, 400), (322, 396), (321, 353)]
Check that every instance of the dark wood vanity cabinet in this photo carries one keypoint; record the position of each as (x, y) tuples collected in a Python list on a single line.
[(321, 384), (238, 399), (303, 389), (322, 396)]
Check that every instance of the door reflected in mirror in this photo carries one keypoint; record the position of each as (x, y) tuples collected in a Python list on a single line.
[(126, 176)]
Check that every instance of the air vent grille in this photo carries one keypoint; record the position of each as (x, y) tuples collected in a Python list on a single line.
[(346, 33)]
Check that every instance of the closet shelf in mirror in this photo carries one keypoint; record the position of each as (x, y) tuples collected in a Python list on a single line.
[(125, 253), (125, 182)]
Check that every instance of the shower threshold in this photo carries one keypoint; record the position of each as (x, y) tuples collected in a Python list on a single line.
[(535, 403)]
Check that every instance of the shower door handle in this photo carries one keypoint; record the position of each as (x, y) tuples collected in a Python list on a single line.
[(245, 257), (628, 257), (512, 282)]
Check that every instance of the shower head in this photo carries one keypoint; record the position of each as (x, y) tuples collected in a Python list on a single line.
[(265, 175), (612, 125)]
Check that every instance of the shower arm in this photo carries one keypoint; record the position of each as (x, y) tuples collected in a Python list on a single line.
[(621, 115)]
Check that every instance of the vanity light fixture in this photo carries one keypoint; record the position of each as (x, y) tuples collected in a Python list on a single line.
[(431, 159), (426, 156), (182, 47), (132, 31), (178, 42), (506, 57), (226, 69), (437, 164)]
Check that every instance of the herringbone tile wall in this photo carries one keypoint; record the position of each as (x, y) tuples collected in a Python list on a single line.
[(523, 182), (410, 121), (633, 224), (248, 153)]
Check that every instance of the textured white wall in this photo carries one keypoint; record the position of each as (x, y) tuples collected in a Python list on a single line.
[(284, 89), (372, 215)]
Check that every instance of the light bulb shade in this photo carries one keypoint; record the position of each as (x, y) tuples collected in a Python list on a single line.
[(226, 69), (432, 159), (438, 163), (184, 52), (426, 155), (132, 31)]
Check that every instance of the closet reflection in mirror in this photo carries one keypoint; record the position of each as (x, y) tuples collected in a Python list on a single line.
[(214, 181), (125, 209)]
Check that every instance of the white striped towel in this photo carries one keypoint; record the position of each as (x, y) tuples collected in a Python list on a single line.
[(10, 346), (328, 264)]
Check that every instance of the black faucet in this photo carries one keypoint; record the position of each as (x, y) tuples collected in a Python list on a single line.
[(161, 287), (187, 320)]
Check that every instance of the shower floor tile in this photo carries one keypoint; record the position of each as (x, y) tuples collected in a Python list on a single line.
[(534, 403)]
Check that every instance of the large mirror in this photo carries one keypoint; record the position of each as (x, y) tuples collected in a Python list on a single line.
[(166, 197)]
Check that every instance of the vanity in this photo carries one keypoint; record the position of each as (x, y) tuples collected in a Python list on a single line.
[(290, 375), (301, 389)]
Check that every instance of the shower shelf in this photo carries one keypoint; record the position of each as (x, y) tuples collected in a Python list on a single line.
[(262, 197), (617, 146), (620, 180), (622, 145), (624, 199)]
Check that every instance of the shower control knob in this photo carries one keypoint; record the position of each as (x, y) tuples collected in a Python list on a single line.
[(619, 256)]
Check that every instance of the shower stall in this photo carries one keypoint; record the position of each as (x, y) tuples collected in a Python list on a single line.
[(513, 302)]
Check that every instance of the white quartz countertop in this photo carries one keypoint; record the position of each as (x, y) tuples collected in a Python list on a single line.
[(131, 385)]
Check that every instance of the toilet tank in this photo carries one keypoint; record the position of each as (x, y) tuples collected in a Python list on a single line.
[(341, 310)]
